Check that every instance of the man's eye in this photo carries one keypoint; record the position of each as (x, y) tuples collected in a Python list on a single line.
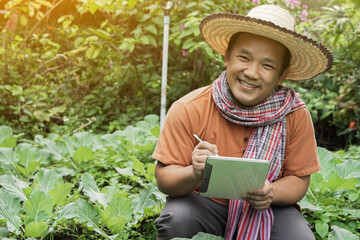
[(243, 58), (270, 67)]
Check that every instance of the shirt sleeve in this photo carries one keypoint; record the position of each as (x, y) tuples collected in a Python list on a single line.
[(176, 143), (301, 158)]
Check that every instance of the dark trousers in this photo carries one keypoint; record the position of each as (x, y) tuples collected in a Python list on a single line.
[(189, 215)]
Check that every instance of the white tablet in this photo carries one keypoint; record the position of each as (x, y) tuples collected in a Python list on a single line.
[(229, 177)]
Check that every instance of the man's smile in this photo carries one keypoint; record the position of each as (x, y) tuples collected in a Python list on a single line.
[(246, 85)]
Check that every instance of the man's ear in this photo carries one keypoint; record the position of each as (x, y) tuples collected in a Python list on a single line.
[(283, 76), (226, 58)]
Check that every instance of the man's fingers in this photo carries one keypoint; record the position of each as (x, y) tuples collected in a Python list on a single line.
[(210, 148), (258, 204), (265, 190), (260, 198), (202, 152)]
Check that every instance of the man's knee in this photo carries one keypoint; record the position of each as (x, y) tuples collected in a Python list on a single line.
[(289, 223), (186, 216), (177, 212)]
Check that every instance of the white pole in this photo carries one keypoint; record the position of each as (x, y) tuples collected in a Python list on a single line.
[(164, 70)]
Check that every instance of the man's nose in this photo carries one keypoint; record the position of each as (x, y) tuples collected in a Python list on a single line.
[(252, 70)]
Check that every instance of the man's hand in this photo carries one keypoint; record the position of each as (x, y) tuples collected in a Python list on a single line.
[(260, 198), (199, 155)]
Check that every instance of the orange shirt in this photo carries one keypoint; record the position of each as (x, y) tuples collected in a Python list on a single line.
[(196, 113)]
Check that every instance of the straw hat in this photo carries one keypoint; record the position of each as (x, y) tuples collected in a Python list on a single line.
[(308, 57)]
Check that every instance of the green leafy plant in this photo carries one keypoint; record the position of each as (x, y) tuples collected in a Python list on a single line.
[(333, 198), (46, 187)]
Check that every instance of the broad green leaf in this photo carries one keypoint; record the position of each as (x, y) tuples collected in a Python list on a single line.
[(152, 29), (40, 114), (9, 143), (202, 236), (127, 46), (35, 229), (342, 234), (4, 232), (5, 132), (150, 121), (8, 159), (353, 196), (132, 134), (145, 40), (14, 186), (116, 224), (151, 125), (111, 140), (44, 2), (317, 182), (65, 171), (156, 131), (327, 162), (86, 213), (120, 206), (145, 199), (188, 44), (69, 145), (139, 166), (9, 210), (83, 154), (7, 140), (101, 33), (117, 214), (28, 156), (137, 32), (354, 212), (92, 191), (60, 193), (92, 52), (125, 171), (110, 192), (92, 39), (39, 206), (151, 171), (88, 140), (305, 203), (322, 228), (68, 212), (57, 149), (335, 183), (78, 41), (132, 3), (349, 169), (47, 179), (23, 20), (93, 8)]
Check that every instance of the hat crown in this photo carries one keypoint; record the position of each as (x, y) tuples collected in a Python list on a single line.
[(274, 14)]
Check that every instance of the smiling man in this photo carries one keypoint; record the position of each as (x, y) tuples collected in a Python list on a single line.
[(255, 67), (244, 113)]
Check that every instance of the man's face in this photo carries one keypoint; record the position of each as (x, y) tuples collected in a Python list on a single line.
[(254, 67)]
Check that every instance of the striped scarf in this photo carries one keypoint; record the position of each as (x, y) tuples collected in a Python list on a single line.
[(267, 141)]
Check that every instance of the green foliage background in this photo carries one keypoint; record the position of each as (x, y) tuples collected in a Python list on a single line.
[(73, 64), (78, 80), (93, 186)]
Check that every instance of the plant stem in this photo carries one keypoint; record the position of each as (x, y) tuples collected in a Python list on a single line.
[(312, 194)]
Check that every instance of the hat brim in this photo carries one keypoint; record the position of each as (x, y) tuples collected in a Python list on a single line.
[(308, 57)]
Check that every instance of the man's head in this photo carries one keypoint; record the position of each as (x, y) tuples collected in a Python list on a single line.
[(255, 67), (233, 40), (308, 58)]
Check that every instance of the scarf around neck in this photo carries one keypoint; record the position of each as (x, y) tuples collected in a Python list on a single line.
[(267, 141)]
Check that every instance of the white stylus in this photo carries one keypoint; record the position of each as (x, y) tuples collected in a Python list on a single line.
[(197, 138)]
